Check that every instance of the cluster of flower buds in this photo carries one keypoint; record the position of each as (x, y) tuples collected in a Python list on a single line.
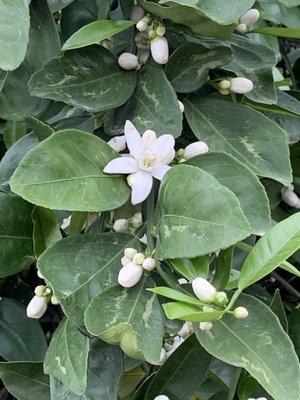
[(122, 225), (235, 85), (38, 304), (133, 264), (290, 197), (191, 150), (247, 20), (185, 331)]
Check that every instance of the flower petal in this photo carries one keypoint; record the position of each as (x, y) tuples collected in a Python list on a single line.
[(168, 158), (149, 138), (141, 184), (163, 145), (121, 165), (134, 140), (160, 172)]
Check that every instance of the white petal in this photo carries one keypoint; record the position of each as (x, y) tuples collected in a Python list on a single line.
[(141, 184), (168, 158), (163, 145), (118, 143), (160, 172), (121, 165), (133, 139), (149, 138)]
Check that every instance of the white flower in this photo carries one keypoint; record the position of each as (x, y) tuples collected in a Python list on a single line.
[(161, 397), (149, 159), (120, 225), (138, 258), (204, 290), (36, 307), (241, 85), (240, 312), (149, 264), (160, 50), (250, 17), (128, 61), (137, 13), (129, 275), (117, 143), (129, 252), (290, 197), (194, 149), (205, 326)]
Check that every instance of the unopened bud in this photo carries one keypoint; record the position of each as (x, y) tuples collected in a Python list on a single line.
[(117, 143), (241, 28), (161, 397), (142, 25), (125, 261), (129, 252), (160, 30), (184, 331), (224, 84), (137, 220), (224, 92), (36, 307), (204, 290), (205, 326), (138, 258), (240, 312), (160, 50), (290, 198), (137, 13), (208, 309), (128, 61), (152, 34), (40, 290), (241, 85), (54, 300), (129, 275), (181, 106), (221, 298), (194, 149), (120, 225), (149, 264), (250, 17), (163, 356)]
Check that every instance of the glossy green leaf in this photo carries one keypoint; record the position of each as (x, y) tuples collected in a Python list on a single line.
[(153, 106), (290, 3), (16, 252), (87, 78), (67, 357), (191, 268), (39, 128), (271, 250), (292, 33), (196, 215), (175, 295), (182, 374), (22, 379), (187, 312), (278, 308), (130, 381), (59, 175), (57, 5), (223, 268), (95, 32), (188, 67), (21, 338), (221, 124), (13, 131), (14, 33), (242, 182), (79, 267), (250, 344), (137, 323)]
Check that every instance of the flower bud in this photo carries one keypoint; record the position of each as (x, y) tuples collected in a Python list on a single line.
[(138, 258), (36, 307), (137, 220), (241, 85), (128, 61), (117, 143), (54, 300), (142, 26), (163, 356), (40, 290), (160, 50), (161, 397), (208, 309), (224, 84), (240, 312), (261, 398), (137, 13), (205, 326), (184, 331), (181, 106), (290, 198), (160, 30), (130, 275), (125, 261), (65, 224), (39, 274), (250, 17), (221, 298), (152, 34), (182, 281), (129, 252), (224, 92), (120, 225), (149, 264), (194, 149), (241, 28), (204, 290)]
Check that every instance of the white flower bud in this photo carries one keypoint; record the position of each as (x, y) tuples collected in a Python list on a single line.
[(208, 309), (241, 85), (240, 312), (261, 398), (137, 13), (182, 281), (181, 106), (204, 290), (128, 61), (224, 84), (129, 252), (130, 275), (142, 26), (161, 397), (138, 258), (36, 307), (39, 274), (224, 92), (137, 220), (185, 330), (160, 30), (194, 149), (117, 143), (149, 264), (167, 346), (290, 198), (120, 225), (160, 50), (205, 326), (163, 356), (54, 300), (241, 28), (125, 261), (250, 17), (40, 290), (152, 34), (221, 298)]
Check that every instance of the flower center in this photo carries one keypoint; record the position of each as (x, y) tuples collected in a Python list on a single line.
[(148, 162)]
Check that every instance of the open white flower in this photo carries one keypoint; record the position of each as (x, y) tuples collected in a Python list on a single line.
[(149, 159)]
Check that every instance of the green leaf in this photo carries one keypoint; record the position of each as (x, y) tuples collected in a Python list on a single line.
[(187, 312), (292, 33), (188, 67), (13, 131), (23, 379), (67, 357), (87, 78), (191, 268), (46, 230), (59, 175), (80, 267), (153, 106), (21, 338), (196, 215), (57, 5), (16, 251), (137, 323), (250, 344), (290, 3), (95, 32), (221, 124), (242, 182), (14, 33), (223, 268), (182, 374), (39, 128), (130, 381), (175, 295), (271, 250), (278, 309)]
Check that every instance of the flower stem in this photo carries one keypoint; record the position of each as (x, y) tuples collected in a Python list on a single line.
[(150, 221)]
